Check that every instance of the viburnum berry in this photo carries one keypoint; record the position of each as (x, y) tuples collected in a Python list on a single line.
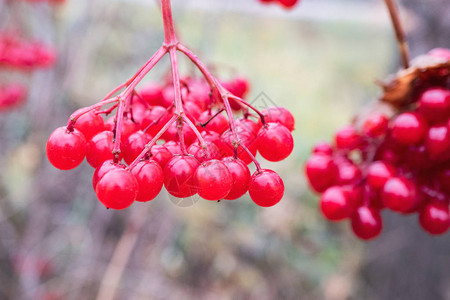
[(179, 176), (161, 155), (218, 124), (375, 125), (117, 189), (279, 115), (204, 153), (275, 142), (99, 148), (134, 145), (378, 173), (90, 124), (321, 172), (266, 188), (367, 223), (335, 204), (409, 128), (434, 105), (213, 180), (347, 138), (66, 149), (435, 218), (150, 178), (104, 168), (241, 177), (399, 194)]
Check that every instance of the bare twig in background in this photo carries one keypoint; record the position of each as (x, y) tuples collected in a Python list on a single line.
[(399, 32), (122, 252)]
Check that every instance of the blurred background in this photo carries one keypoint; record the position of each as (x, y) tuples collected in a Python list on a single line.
[(320, 60)]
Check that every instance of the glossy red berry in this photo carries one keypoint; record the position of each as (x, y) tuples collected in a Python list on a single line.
[(117, 189), (348, 173), (218, 124), (150, 178), (90, 124), (99, 148), (152, 94), (66, 150), (434, 104), (279, 115), (213, 180), (134, 145), (435, 218), (323, 148), (179, 176), (348, 138), (266, 188), (204, 153), (161, 155), (376, 125), (408, 128), (321, 172), (378, 173), (275, 142), (437, 141), (399, 194), (367, 223), (104, 168), (241, 177), (335, 204)]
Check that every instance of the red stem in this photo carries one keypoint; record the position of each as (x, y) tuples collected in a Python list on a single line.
[(170, 38), (149, 146)]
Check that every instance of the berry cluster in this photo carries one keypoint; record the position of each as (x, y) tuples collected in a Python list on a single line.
[(21, 54), (18, 54), (285, 3), (52, 2), (189, 160), (181, 134), (398, 161)]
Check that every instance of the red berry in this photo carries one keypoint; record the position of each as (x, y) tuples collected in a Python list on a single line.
[(179, 176), (150, 178), (348, 138), (173, 147), (375, 125), (367, 223), (348, 173), (323, 148), (117, 189), (266, 188), (434, 104), (435, 218), (288, 3), (437, 141), (203, 154), (399, 194), (213, 180), (218, 124), (335, 205), (152, 94), (134, 145), (379, 173), (279, 115), (321, 172), (90, 124), (66, 150), (104, 168), (241, 177), (161, 155), (409, 128), (246, 138), (275, 142), (99, 148)]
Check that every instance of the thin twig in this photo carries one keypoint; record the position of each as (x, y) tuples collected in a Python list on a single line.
[(399, 32)]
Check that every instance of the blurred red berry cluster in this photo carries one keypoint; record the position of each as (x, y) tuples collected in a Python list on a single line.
[(284, 3), (20, 54), (398, 160)]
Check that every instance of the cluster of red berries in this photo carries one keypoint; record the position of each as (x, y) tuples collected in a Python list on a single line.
[(11, 96), (52, 2), (198, 155), (285, 3), (401, 163), (21, 54)]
